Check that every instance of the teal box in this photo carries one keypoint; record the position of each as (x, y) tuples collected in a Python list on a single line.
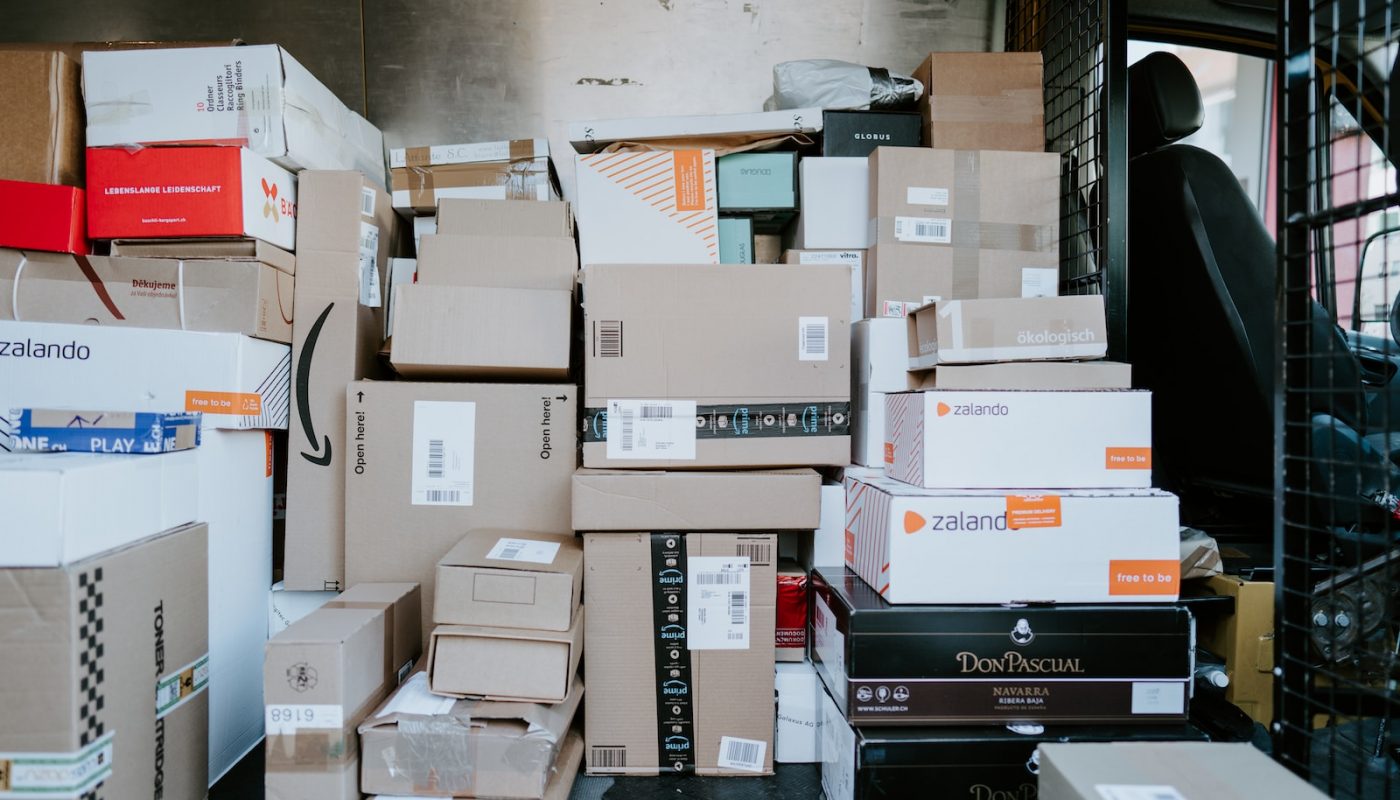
[(758, 182), (735, 240)]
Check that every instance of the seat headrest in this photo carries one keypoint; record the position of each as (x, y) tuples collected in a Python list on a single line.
[(1164, 103)]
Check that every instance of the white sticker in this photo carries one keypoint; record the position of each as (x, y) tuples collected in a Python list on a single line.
[(1040, 282), (811, 338), (745, 755), (181, 686), (367, 199), (829, 257), (369, 266), (444, 453), (926, 196), (1158, 698), (717, 603), (289, 718), (414, 698), (923, 229), (651, 429), (531, 550), (57, 775), (1137, 792)]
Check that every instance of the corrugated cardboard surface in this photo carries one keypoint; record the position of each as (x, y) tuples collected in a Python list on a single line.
[(420, 189), (475, 332), (913, 274), (467, 217), (504, 663), (81, 650), (635, 500), (730, 692), (475, 589), (1215, 770), (402, 604), (1246, 640), (510, 261), (1072, 375), (518, 483), (987, 100), (41, 131), (221, 249), (1008, 329)]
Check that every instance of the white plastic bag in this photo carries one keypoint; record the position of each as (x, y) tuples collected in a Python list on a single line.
[(828, 84)]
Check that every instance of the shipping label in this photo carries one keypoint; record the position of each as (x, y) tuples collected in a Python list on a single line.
[(717, 603), (531, 550), (444, 453), (651, 429), (923, 230)]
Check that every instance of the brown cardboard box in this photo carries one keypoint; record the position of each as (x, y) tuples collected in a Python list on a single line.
[(513, 580), (466, 217), (420, 743), (246, 297), (466, 332), (334, 341), (636, 500), (645, 645), (402, 604), (1214, 770), (900, 277), (81, 649), (719, 366), (504, 663), (508, 454), (992, 101), (421, 188), (1010, 329), (1071, 375), (222, 249), (507, 261), (767, 248), (1246, 640), (41, 131)]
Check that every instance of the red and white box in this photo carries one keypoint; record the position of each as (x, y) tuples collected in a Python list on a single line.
[(42, 216), (167, 192)]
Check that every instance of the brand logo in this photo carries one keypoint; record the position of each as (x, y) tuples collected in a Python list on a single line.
[(1012, 662), (874, 137), (756, 171), (670, 577), (673, 633), (142, 283), (158, 625), (677, 744), (1055, 337), (973, 410), (1022, 633), (958, 522), (308, 352), (864, 694), (675, 689), (943, 409), (981, 791), (28, 348), (270, 200), (301, 677)]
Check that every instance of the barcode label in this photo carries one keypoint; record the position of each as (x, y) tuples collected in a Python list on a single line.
[(1040, 281), (895, 308), (923, 229), (369, 266), (1158, 697), (717, 603), (811, 338), (608, 758), (444, 453), (745, 755), (607, 338), (759, 554), (366, 201), (738, 608), (532, 550), (1137, 792), (719, 579), (651, 429)]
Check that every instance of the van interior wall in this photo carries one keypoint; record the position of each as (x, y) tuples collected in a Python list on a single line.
[(440, 71)]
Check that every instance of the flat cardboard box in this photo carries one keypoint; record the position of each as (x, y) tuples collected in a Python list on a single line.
[(1086, 546), (256, 96), (947, 439), (474, 153), (1245, 639), (660, 345), (647, 207), (515, 664), (1026, 375), (41, 133), (285, 606), (244, 297), (499, 261), (512, 750), (464, 217), (1024, 329), (855, 259), (208, 249), (347, 223), (421, 177), (474, 332), (39, 216), (835, 204), (588, 137), (798, 738), (992, 101), (47, 430), (159, 192), (511, 449), (855, 134), (790, 636), (83, 646), (708, 500), (736, 245), (684, 695), (402, 606), (1218, 770), (511, 580)]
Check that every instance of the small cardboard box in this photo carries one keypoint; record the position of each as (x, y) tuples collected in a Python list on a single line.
[(855, 134), (438, 332), (763, 185), (587, 137), (1246, 641), (736, 245), (421, 177), (465, 217), (531, 666), (402, 606), (855, 259), (902, 277), (798, 739), (157, 192), (208, 249), (708, 500), (1027, 375), (47, 430), (992, 101), (285, 607), (790, 638), (835, 204), (647, 207), (41, 133), (511, 580), (1218, 770), (39, 216), (1013, 329), (493, 260)]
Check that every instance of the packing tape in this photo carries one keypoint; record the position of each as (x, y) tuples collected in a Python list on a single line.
[(675, 676), (748, 420), (436, 754), (1013, 107), (967, 207), (319, 751)]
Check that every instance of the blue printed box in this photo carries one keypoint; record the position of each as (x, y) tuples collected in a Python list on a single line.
[(49, 430)]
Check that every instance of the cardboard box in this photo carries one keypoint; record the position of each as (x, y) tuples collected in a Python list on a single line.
[(402, 606), (244, 297), (736, 244), (1245, 639), (1223, 770), (647, 207), (467, 332), (660, 345), (41, 133), (347, 224), (501, 261), (38, 216), (427, 226), (855, 259), (829, 539), (636, 500), (515, 750), (464, 217), (1027, 375), (1026, 329), (798, 738), (258, 97), (515, 664), (790, 636), (522, 580), (237, 382), (508, 453), (942, 439), (835, 204), (157, 192), (587, 137), (855, 134), (672, 689), (47, 430), (879, 354), (421, 177), (992, 101), (107, 634), (285, 607), (949, 665), (767, 248), (402, 272), (760, 184), (208, 249), (1124, 547), (902, 277)]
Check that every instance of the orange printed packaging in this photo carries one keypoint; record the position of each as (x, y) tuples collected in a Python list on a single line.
[(651, 207)]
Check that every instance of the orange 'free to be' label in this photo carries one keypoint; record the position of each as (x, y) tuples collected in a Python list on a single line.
[(689, 175), (1127, 458), (1032, 511), (242, 403), (1143, 577)]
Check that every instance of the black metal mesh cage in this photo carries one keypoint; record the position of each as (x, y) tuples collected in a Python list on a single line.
[(1338, 427)]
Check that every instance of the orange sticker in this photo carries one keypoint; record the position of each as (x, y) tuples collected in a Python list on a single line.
[(689, 177), (1143, 577), (268, 443), (242, 403), (1127, 458), (850, 546), (889, 452), (1032, 511)]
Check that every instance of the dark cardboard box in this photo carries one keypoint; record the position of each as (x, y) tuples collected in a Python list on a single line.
[(857, 133)]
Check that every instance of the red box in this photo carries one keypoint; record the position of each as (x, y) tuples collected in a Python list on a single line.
[(163, 192), (791, 633), (41, 216)]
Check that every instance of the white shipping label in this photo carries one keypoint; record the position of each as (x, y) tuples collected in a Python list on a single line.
[(929, 230), (717, 603), (661, 429), (531, 550), (1137, 792), (1158, 698), (369, 265), (1040, 281), (414, 698), (926, 196), (367, 200), (181, 686), (829, 257), (56, 775), (444, 453), (811, 338), (289, 718), (744, 755)]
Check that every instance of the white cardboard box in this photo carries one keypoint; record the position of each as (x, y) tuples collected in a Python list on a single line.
[(656, 207), (879, 363), (256, 96), (285, 606), (1039, 439), (829, 539), (236, 381), (798, 736), (589, 136), (987, 330), (423, 226), (967, 546), (835, 204)]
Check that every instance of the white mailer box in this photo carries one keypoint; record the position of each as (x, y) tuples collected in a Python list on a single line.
[(880, 366), (982, 331), (798, 738), (653, 207), (968, 546), (949, 439), (835, 203)]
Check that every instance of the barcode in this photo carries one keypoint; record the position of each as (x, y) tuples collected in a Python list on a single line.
[(738, 608), (443, 496), (718, 579), (653, 411), (814, 339), (367, 201), (758, 553), (609, 757), (627, 415), (931, 229), (510, 553), (609, 338), (742, 753), (436, 455)]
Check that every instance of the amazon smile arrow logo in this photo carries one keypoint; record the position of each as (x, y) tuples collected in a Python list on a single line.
[(308, 350)]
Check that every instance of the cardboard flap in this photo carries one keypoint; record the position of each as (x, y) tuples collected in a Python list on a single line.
[(622, 500), (413, 702), (475, 550)]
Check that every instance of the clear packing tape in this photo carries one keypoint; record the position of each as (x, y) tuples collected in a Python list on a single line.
[(840, 85)]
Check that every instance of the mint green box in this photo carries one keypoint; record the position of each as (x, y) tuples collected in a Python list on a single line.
[(758, 182), (735, 240)]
